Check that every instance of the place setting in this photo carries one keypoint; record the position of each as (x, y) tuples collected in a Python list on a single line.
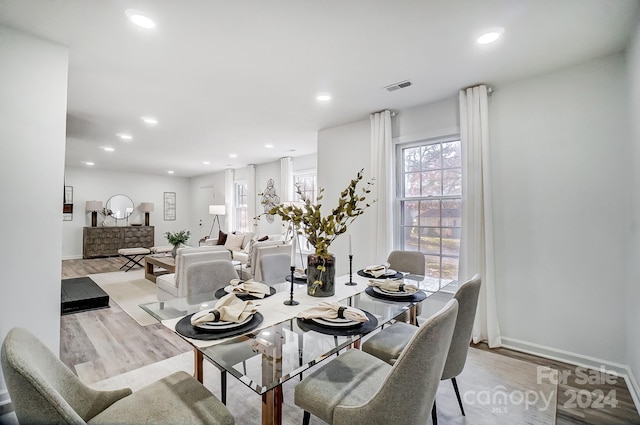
[(246, 290), (380, 271), (394, 290), (332, 318), (230, 316)]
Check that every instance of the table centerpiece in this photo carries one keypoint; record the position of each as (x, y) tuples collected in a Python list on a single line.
[(322, 231), (177, 239)]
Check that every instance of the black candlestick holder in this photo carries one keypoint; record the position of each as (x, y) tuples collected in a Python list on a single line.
[(351, 282), (291, 301)]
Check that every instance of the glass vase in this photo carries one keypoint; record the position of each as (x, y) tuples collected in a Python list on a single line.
[(321, 273)]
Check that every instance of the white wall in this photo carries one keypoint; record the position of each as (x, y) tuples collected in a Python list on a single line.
[(633, 292), (204, 191), (33, 107), (562, 213), (94, 184)]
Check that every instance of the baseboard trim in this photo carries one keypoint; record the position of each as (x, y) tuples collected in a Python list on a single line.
[(577, 360), (72, 257)]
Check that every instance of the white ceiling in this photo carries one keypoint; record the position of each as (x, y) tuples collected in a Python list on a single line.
[(231, 76)]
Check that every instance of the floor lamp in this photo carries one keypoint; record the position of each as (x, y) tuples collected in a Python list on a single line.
[(94, 207), (216, 210)]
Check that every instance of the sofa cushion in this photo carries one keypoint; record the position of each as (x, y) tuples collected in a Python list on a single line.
[(241, 256), (234, 242), (248, 237)]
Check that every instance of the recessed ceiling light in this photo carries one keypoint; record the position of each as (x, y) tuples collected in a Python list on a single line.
[(323, 97), (489, 37), (149, 120), (139, 19), (233, 155), (125, 136), (89, 163), (291, 150), (108, 149), (268, 146), (206, 162), (170, 171)]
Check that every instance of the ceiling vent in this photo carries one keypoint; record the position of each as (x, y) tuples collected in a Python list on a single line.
[(398, 86)]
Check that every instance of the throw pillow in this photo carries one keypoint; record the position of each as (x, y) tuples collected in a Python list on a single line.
[(264, 238), (247, 238), (222, 237), (234, 242)]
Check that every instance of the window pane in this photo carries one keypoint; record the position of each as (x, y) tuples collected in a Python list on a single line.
[(451, 213), (450, 241), (412, 159), (433, 266), (409, 213), (412, 184), (431, 157), (431, 183), (429, 213), (449, 269), (410, 238), (451, 155), (430, 240), (452, 182)]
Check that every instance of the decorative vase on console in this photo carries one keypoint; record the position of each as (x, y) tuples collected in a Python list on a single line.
[(321, 231)]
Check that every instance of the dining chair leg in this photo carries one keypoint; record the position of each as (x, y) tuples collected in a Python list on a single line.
[(455, 387), (306, 418), (434, 414), (223, 387)]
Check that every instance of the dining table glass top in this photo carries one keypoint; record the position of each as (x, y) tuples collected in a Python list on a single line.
[(283, 346)]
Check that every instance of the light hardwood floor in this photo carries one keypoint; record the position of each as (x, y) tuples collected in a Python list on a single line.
[(103, 343)]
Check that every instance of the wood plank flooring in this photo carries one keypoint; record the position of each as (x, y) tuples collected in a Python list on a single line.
[(103, 343)]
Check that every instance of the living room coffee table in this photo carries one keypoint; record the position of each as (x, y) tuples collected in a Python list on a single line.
[(166, 263)]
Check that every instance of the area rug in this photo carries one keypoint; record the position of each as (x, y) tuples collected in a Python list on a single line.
[(495, 390), (129, 290)]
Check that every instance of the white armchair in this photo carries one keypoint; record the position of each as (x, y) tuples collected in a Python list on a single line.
[(169, 286)]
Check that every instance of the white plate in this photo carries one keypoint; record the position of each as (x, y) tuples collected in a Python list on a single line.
[(335, 322), (223, 325), (391, 293), (390, 272)]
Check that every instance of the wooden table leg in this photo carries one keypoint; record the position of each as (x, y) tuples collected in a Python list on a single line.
[(198, 365), (272, 407), (413, 317), (148, 272)]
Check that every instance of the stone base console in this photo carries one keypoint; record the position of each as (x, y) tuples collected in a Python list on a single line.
[(106, 241)]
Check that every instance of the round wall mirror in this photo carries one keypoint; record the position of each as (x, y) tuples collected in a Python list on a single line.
[(121, 205)]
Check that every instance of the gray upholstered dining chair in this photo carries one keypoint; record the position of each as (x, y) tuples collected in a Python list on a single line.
[(274, 268), (209, 276), (412, 262), (389, 343), (358, 388), (44, 391)]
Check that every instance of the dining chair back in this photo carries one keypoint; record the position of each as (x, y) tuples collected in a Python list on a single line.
[(407, 261), (357, 388), (274, 268), (209, 276), (44, 391)]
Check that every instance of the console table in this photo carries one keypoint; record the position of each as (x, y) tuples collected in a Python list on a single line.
[(106, 241)]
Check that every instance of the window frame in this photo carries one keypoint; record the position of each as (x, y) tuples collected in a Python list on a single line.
[(237, 207), (399, 199)]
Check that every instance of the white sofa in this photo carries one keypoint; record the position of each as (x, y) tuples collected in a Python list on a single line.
[(251, 249), (173, 285)]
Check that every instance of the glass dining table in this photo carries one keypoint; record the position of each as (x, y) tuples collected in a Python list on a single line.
[(282, 346)]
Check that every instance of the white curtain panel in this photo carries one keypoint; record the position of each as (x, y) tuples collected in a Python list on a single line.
[(229, 175), (286, 179), (382, 172), (252, 197), (476, 242)]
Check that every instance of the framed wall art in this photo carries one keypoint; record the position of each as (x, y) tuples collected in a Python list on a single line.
[(169, 206)]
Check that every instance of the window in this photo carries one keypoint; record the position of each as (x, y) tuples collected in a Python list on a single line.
[(240, 207), (307, 184), (430, 199)]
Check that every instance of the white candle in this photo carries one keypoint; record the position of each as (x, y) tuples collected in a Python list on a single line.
[(350, 244), (293, 251)]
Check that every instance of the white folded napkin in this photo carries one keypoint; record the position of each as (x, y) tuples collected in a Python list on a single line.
[(375, 271), (228, 309), (250, 287), (331, 310), (394, 286)]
